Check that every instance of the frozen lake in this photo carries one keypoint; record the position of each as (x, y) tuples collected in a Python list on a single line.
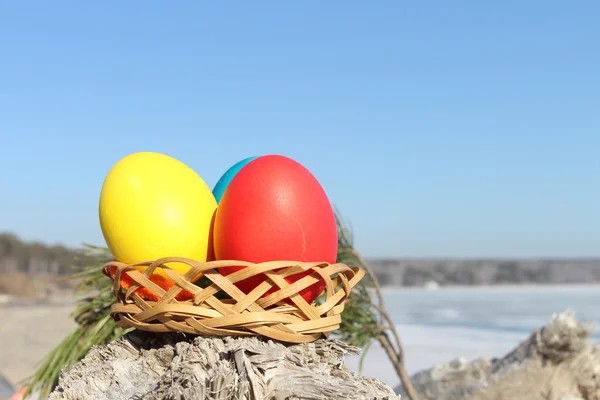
[(439, 325)]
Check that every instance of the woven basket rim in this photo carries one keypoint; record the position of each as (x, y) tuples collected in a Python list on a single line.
[(274, 309)]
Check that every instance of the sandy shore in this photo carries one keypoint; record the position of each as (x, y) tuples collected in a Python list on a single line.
[(27, 333)]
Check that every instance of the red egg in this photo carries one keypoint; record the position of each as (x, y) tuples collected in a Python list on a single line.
[(274, 209)]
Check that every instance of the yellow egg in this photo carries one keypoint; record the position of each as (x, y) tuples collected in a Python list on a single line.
[(153, 206)]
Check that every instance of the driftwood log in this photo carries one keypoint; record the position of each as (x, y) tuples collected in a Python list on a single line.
[(556, 362), (148, 366)]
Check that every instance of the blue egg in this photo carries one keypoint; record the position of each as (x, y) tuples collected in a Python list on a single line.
[(227, 177)]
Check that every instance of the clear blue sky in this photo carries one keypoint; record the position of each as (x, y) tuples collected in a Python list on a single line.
[(463, 128)]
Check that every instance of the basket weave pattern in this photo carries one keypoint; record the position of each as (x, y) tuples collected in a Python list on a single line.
[(281, 315)]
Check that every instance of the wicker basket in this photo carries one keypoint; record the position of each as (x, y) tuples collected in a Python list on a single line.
[(281, 315)]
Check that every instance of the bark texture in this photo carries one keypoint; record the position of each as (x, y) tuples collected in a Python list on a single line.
[(145, 366), (556, 362)]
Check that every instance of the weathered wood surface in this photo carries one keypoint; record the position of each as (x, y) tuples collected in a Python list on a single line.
[(146, 366), (556, 362)]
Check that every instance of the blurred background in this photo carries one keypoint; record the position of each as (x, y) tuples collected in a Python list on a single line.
[(459, 138)]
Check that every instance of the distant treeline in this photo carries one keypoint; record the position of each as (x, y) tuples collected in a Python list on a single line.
[(41, 259), (37, 258), (419, 272)]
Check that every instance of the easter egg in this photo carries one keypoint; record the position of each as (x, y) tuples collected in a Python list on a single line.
[(274, 209), (153, 206), (227, 176)]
